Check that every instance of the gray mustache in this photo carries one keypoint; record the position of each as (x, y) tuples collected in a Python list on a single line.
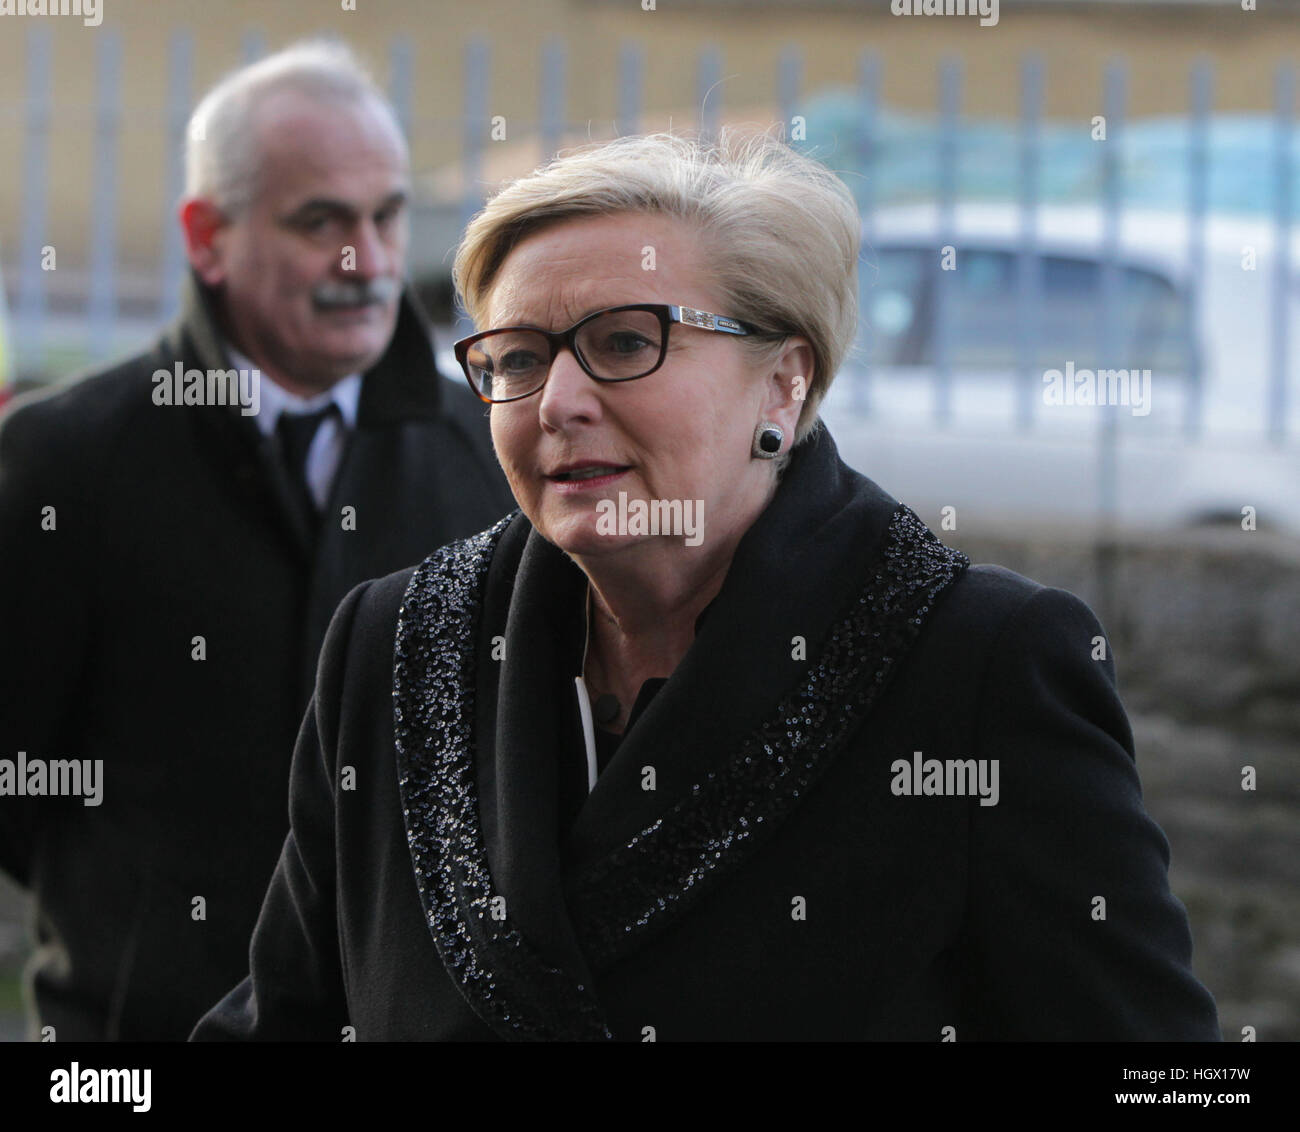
[(358, 293)]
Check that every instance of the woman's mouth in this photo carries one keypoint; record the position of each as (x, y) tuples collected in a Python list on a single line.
[(585, 477)]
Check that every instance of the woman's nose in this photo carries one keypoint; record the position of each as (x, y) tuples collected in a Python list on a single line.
[(569, 394)]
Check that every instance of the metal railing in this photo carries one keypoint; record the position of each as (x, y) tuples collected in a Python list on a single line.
[(102, 291)]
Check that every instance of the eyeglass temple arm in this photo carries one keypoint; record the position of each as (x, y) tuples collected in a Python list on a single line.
[(705, 321)]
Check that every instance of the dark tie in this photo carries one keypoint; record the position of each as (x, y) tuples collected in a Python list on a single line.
[(296, 432)]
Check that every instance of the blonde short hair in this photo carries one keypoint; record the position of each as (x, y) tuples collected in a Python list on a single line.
[(781, 230)]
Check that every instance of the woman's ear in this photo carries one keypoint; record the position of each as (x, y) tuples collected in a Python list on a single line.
[(789, 385)]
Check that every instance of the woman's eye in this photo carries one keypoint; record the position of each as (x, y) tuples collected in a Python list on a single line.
[(519, 361), (627, 343)]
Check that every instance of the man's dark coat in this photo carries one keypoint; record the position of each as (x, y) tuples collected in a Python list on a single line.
[(748, 865), (172, 523)]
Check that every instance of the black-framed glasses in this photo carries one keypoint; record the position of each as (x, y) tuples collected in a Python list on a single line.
[(615, 344)]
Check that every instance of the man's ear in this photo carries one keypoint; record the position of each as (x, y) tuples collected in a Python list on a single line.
[(202, 223), (790, 385)]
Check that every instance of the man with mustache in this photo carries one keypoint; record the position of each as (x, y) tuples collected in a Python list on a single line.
[(178, 530)]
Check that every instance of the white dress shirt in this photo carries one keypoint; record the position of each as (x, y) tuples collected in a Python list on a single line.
[(326, 451)]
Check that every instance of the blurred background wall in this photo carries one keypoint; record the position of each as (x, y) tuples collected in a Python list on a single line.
[(105, 106)]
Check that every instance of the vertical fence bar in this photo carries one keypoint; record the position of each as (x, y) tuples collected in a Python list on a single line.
[(477, 59), (252, 45), (401, 82), (101, 312), (29, 337), (631, 78), (868, 102), (171, 264), (478, 56), (1198, 193), (789, 80), (1110, 339), (1111, 343), (552, 98), (1029, 265), (950, 78), (709, 90), (1284, 100)]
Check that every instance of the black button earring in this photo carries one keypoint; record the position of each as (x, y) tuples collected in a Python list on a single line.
[(767, 441)]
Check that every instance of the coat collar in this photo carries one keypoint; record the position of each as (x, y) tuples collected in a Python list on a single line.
[(825, 594), (402, 386)]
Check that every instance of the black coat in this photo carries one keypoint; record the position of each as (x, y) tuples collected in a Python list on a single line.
[(173, 523), (773, 885)]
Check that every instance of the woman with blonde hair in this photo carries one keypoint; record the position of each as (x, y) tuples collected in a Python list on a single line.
[(712, 738)]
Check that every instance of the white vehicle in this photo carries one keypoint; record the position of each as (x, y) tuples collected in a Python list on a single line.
[(1004, 449)]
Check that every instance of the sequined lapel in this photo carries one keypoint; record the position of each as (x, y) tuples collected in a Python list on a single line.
[(512, 985), (714, 818)]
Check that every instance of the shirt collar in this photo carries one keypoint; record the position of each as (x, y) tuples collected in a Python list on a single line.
[(275, 399)]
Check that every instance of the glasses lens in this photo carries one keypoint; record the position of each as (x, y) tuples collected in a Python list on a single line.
[(619, 345), (508, 364)]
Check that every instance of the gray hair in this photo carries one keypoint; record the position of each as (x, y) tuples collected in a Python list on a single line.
[(781, 230), (221, 146)]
